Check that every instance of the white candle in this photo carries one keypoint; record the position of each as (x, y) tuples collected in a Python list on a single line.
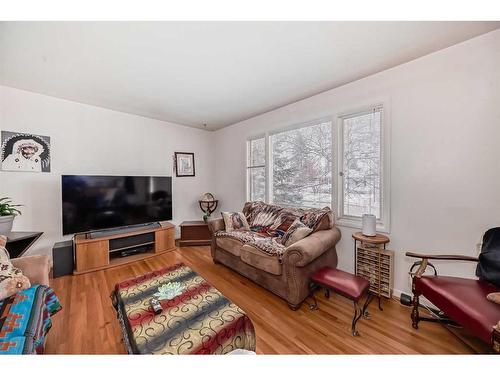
[(369, 225)]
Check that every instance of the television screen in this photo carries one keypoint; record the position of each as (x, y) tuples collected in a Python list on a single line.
[(102, 202)]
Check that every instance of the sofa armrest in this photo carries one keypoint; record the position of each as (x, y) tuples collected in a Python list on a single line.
[(215, 225), (35, 267), (306, 250)]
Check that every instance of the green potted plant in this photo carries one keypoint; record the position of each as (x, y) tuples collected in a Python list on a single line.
[(8, 212)]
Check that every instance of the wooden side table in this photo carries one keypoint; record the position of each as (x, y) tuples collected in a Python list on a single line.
[(195, 233), (375, 263), (19, 242)]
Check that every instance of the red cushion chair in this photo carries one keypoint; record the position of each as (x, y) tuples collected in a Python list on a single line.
[(462, 300)]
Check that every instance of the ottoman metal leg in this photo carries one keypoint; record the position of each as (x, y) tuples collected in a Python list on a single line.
[(312, 290), (313, 306), (369, 299), (358, 313)]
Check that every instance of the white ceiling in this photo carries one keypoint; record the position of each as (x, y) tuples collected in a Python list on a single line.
[(216, 73)]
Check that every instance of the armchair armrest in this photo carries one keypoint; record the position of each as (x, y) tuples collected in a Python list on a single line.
[(215, 225), (303, 252), (35, 267), (425, 261), (443, 257)]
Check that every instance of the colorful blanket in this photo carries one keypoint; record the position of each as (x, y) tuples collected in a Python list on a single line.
[(25, 319), (198, 321), (271, 245), (269, 224)]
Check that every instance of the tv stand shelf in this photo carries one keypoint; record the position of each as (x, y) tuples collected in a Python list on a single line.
[(93, 254)]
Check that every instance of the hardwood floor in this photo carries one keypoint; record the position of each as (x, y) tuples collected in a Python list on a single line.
[(87, 323)]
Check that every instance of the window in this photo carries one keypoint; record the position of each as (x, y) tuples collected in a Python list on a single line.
[(256, 169), (361, 166), (344, 166), (302, 166)]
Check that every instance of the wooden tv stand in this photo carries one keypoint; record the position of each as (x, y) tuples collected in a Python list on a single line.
[(93, 254)]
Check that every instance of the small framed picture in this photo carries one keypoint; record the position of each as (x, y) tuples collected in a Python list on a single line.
[(184, 164)]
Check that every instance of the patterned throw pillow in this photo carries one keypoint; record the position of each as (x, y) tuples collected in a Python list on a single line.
[(318, 219), (12, 279), (297, 231), (235, 221)]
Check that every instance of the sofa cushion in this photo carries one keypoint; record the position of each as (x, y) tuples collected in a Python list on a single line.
[(233, 242), (464, 301), (261, 260), (231, 245), (240, 235)]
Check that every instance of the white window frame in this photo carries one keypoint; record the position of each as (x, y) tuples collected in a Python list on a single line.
[(383, 223), (249, 167), (269, 158)]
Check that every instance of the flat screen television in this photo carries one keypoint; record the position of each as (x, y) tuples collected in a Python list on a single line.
[(105, 202)]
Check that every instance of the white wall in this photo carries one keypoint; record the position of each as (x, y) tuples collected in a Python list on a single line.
[(445, 150), (93, 140)]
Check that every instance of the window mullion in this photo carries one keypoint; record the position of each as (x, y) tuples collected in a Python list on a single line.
[(269, 169)]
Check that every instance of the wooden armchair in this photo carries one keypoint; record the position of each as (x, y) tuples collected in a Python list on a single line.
[(462, 300)]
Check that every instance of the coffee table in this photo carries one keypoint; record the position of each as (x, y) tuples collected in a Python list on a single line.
[(201, 320)]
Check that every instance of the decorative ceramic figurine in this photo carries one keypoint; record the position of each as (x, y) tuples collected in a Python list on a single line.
[(169, 290)]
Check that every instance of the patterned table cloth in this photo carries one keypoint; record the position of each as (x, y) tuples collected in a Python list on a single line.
[(198, 321), (25, 319)]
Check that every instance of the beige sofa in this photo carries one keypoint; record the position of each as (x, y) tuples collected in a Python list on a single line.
[(35, 267), (287, 273)]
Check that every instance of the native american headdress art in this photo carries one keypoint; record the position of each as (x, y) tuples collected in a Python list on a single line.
[(13, 145)]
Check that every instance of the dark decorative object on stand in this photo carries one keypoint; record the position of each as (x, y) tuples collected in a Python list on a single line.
[(208, 204)]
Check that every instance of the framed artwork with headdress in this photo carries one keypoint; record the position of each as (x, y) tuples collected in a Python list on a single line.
[(25, 152)]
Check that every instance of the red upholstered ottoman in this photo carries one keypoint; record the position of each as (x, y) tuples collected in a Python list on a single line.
[(348, 285)]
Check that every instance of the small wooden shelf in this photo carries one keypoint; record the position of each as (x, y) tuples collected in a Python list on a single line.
[(194, 233), (374, 263), (93, 254)]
